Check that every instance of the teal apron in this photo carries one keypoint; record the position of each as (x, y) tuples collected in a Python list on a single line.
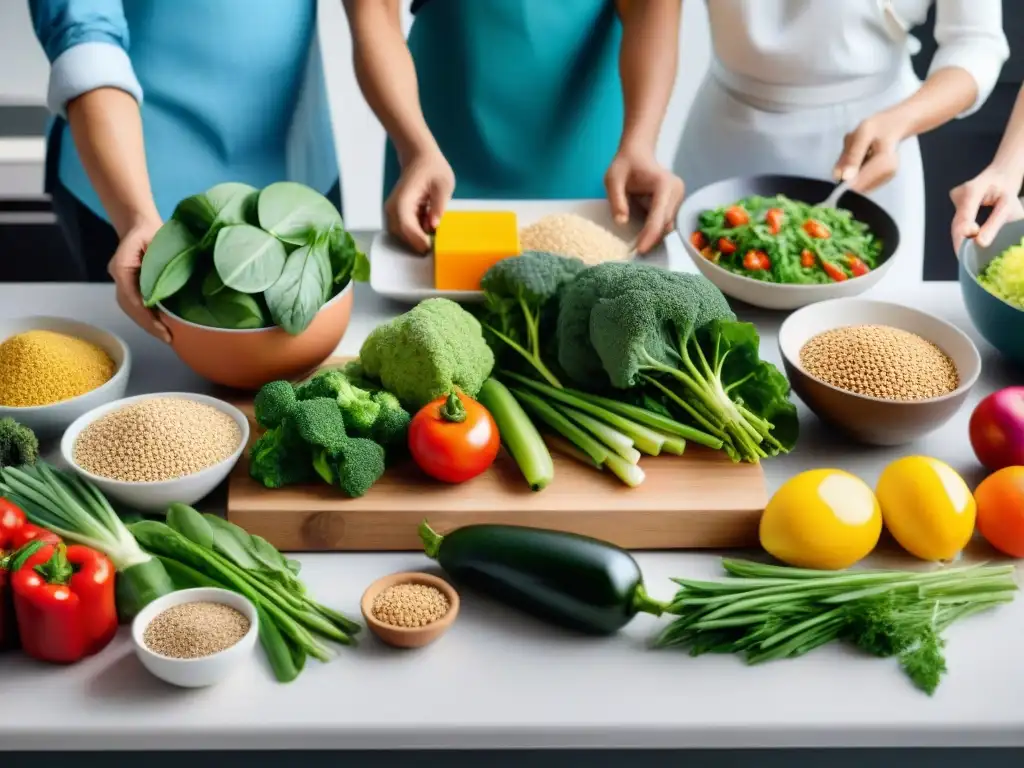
[(523, 96)]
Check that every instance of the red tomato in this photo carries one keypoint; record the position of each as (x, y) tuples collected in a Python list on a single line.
[(698, 241), (807, 258), (756, 260), (774, 220), (1000, 500), (833, 271), (709, 254), (726, 246), (736, 217), (856, 265), (816, 229), (454, 438), (997, 429)]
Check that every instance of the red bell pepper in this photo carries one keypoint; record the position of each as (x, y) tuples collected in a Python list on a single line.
[(11, 521), (65, 607), (32, 554)]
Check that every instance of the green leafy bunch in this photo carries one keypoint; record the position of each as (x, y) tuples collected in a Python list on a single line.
[(241, 258)]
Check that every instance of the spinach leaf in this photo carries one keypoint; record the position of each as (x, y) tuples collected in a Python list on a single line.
[(345, 256), (168, 263), (191, 307), (207, 213), (234, 309), (212, 284), (361, 269), (295, 213), (299, 293), (247, 258)]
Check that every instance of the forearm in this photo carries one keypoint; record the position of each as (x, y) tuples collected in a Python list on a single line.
[(1010, 155), (647, 68), (107, 129), (386, 73), (944, 95)]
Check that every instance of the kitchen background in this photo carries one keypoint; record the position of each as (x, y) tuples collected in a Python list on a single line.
[(31, 247)]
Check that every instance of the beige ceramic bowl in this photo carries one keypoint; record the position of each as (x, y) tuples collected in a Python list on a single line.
[(248, 359), (866, 419), (409, 637)]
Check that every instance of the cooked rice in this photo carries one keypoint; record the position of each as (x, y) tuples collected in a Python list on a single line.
[(570, 235)]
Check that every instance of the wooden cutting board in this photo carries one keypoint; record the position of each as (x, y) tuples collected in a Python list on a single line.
[(696, 501)]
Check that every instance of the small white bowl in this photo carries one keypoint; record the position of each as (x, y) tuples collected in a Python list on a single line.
[(205, 671), (872, 420), (48, 421), (157, 495)]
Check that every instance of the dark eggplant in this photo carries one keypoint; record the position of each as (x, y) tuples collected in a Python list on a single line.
[(574, 581)]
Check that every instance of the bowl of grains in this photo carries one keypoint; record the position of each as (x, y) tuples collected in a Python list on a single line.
[(151, 450), (53, 370), (195, 637), (883, 373), (410, 610)]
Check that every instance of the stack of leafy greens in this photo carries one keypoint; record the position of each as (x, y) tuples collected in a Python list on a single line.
[(656, 358), (205, 551), (327, 428), (237, 257)]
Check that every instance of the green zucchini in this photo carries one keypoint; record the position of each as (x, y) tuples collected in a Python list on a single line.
[(571, 580)]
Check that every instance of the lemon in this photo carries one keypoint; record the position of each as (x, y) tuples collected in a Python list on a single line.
[(927, 507), (825, 519)]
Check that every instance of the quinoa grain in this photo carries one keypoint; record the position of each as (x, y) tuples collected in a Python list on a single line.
[(880, 361), (44, 367), (410, 605), (195, 630), (570, 235), (160, 438)]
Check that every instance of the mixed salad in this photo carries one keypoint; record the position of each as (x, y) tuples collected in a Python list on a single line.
[(779, 240)]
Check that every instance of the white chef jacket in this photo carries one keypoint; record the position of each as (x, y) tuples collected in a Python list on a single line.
[(790, 78), (816, 44)]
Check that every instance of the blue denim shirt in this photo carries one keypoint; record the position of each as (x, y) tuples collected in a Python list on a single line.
[(231, 90)]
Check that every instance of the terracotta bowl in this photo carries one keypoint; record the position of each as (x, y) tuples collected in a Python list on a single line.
[(248, 359), (409, 637)]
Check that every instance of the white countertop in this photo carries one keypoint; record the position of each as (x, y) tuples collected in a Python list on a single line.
[(500, 679)]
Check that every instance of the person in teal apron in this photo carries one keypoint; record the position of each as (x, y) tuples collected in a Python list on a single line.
[(154, 101), (520, 99)]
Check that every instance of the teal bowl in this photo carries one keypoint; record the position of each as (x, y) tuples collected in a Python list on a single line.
[(1000, 323)]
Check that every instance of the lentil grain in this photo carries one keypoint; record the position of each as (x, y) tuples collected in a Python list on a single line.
[(160, 438), (195, 630), (44, 367), (410, 605), (880, 361)]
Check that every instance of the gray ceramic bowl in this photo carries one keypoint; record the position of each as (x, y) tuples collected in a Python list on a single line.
[(50, 421), (1001, 324), (866, 419)]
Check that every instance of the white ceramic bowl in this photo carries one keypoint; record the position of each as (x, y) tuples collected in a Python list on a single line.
[(156, 496), (872, 420), (205, 671), (782, 296), (49, 421)]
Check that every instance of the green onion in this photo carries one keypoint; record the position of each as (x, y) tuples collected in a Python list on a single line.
[(75, 510)]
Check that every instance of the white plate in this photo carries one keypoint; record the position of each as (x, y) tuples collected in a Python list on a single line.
[(399, 274)]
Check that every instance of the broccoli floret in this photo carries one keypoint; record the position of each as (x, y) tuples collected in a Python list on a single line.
[(392, 424), (432, 349), (521, 295), (640, 325), (357, 407), (279, 457), (354, 372), (353, 467), (273, 403), (18, 444), (319, 423)]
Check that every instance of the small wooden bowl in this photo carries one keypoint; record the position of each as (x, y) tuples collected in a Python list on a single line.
[(409, 637)]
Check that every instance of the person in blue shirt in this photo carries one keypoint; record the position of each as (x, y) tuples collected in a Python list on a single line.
[(158, 100), (520, 99)]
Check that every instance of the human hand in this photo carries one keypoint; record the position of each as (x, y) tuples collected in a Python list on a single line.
[(639, 175), (414, 207), (870, 155), (996, 188), (124, 268)]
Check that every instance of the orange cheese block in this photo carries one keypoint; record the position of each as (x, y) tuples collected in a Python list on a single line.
[(468, 243)]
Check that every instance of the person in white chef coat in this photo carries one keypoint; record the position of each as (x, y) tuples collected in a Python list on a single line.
[(825, 88)]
